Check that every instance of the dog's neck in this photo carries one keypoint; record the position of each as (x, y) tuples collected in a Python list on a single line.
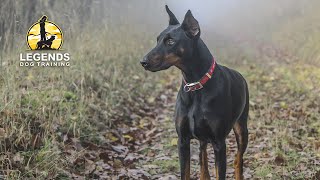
[(195, 67)]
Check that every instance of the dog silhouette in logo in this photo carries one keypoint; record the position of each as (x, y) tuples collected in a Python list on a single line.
[(44, 43)]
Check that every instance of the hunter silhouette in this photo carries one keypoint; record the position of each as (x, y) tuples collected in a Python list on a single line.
[(44, 43), (42, 28)]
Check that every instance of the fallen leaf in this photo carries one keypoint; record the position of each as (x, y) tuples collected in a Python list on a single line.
[(120, 149), (2, 132), (174, 142), (130, 158), (169, 177), (117, 163), (89, 166), (111, 137), (18, 158), (128, 137)]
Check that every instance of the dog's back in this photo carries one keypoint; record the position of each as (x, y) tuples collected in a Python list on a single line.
[(239, 92)]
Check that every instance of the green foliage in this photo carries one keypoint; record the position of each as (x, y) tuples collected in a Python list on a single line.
[(167, 166), (264, 171)]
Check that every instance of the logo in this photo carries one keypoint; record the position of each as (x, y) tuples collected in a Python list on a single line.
[(44, 35)]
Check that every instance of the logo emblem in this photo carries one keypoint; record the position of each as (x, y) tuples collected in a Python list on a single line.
[(44, 35)]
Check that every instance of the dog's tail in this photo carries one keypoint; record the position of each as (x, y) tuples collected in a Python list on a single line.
[(245, 113)]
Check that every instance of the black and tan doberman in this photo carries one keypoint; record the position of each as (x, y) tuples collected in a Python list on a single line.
[(212, 99)]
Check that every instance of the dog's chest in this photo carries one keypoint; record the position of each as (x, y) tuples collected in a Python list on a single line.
[(198, 122)]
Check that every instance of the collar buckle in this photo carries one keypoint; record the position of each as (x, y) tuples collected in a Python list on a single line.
[(199, 85), (192, 86)]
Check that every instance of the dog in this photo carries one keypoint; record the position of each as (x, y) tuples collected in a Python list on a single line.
[(45, 45), (212, 100)]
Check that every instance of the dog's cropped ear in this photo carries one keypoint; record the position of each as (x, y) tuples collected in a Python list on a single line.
[(190, 25), (172, 18)]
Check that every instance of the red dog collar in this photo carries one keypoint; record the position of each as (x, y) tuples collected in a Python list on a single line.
[(199, 85)]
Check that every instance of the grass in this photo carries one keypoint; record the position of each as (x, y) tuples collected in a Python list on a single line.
[(264, 171), (42, 106), (167, 166)]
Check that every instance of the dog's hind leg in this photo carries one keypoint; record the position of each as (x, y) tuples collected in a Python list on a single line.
[(204, 172), (241, 132)]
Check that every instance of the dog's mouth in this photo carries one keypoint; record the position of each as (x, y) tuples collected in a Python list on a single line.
[(157, 67)]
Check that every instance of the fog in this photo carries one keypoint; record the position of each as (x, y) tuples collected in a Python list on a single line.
[(220, 21)]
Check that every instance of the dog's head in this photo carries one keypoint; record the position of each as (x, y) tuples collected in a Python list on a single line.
[(174, 44)]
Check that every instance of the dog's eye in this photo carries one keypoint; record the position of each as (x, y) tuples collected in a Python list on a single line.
[(170, 42)]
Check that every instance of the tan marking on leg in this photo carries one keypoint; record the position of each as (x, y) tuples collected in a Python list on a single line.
[(204, 174), (238, 162), (217, 172), (237, 167), (187, 172)]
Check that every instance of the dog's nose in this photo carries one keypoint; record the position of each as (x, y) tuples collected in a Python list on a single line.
[(144, 62)]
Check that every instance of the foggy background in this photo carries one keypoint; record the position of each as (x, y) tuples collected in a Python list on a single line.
[(221, 22)]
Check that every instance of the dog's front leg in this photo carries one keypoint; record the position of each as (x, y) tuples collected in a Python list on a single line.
[(182, 128), (204, 172), (221, 160), (184, 157)]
